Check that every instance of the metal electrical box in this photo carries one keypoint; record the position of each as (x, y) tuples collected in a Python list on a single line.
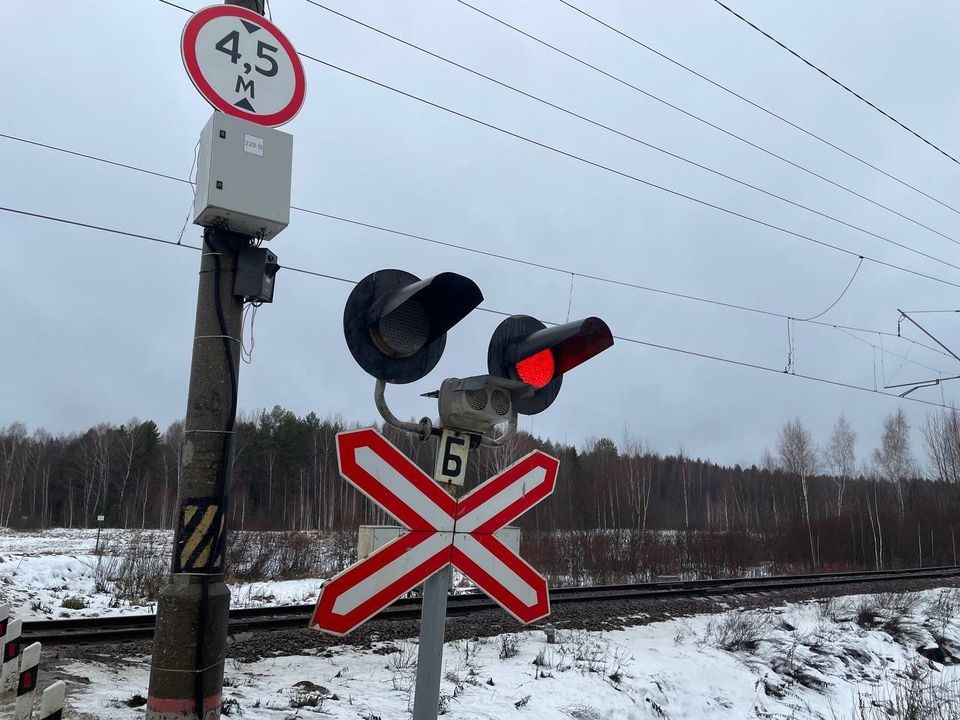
[(243, 177), (256, 271)]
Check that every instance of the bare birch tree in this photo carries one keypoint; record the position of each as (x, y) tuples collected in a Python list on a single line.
[(941, 439), (893, 460), (798, 456), (841, 456)]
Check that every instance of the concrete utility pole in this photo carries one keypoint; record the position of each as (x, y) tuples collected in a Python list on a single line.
[(186, 673), (189, 646)]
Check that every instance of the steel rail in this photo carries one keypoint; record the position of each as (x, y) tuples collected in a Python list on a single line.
[(127, 628)]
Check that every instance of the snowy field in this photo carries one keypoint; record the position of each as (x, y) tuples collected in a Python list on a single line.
[(57, 573), (810, 660)]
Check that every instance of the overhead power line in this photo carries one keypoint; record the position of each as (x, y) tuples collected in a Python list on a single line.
[(755, 104), (693, 116), (778, 371), (624, 174), (623, 338), (832, 305), (835, 81), (628, 136), (507, 258)]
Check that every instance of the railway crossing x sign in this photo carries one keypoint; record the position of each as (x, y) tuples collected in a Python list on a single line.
[(441, 530)]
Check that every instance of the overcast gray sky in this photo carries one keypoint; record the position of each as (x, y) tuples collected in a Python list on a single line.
[(99, 327)]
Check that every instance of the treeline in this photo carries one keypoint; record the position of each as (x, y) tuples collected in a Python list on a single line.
[(803, 505)]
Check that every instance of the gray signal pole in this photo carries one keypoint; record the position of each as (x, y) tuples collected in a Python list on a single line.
[(433, 618), (189, 646)]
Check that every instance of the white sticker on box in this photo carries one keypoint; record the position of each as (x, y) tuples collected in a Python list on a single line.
[(253, 145)]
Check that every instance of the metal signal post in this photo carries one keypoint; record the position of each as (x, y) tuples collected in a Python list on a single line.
[(433, 618), (396, 325)]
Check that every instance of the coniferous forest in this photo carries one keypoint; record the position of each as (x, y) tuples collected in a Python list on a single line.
[(620, 509)]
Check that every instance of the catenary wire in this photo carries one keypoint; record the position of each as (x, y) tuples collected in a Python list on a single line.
[(628, 136), (623, 338), (622, 173), (839, 297), (500, 256), (702, 120), (755, 104), (766, 368), (834, 80), (892, 353)]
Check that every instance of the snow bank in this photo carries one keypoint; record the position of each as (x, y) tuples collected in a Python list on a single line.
[(809, 660)]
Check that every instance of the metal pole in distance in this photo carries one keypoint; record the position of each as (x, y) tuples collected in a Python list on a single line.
[(186, 674), (433, 616)]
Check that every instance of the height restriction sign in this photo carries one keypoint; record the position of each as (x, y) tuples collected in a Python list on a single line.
[(243, 65)]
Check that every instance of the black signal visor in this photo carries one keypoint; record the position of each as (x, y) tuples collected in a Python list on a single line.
[(396, 324), (443, 300), (572, 343)]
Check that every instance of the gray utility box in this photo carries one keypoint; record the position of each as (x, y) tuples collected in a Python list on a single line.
[(243, 177)]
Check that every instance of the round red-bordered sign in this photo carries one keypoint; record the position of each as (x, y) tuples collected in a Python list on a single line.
[(243, 65)]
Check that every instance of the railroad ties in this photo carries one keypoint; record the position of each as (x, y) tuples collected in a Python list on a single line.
[(131, 628)]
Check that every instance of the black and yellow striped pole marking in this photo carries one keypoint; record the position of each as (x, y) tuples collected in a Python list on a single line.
[(200, 538)]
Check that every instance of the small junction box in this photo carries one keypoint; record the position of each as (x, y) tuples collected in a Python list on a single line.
[(243, 177)]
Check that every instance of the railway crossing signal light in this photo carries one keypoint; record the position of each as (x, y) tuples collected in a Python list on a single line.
[(396, 324), (525, 349)]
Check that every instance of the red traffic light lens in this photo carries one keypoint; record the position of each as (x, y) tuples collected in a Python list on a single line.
[(537, 370)]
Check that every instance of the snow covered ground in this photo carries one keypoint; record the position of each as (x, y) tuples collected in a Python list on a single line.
[(40, 571), (811, 660)]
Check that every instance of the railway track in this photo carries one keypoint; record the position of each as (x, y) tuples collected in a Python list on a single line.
[(126, 628)]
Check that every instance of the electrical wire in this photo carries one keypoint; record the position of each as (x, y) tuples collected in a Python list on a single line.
[(624, 174), (101, 228), (834, 80), (430, 103), (636, 341), (628, 136), (755, 104), (839, 298), (883, 351), (186, 219), (644, 92), (456, 246), (765, 368), (93, 157), (701, 120), (174, 5), (249, 310)]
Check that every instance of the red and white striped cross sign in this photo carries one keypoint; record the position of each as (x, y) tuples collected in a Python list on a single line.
[(441, 531)]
